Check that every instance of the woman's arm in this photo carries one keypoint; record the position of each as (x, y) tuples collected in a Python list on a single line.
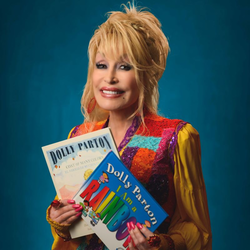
[(191, 219)]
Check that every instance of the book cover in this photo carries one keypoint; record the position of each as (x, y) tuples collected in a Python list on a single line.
[(71, 162), (111, 197)]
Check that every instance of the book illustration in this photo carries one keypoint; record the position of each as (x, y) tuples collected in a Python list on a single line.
[(87, 211), (72, 161), (103, 178), (112, 197), (87, 173), (68, 183)]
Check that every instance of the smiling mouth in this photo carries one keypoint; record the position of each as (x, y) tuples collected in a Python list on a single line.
[(111, 92)]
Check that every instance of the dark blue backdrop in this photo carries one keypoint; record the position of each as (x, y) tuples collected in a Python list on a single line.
[(43, 71)]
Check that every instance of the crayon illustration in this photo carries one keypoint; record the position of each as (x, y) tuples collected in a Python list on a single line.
[(103, 178), (147, 224), (95, 218), (85, 206)]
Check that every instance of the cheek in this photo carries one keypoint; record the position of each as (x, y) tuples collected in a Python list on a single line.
[(96, 91), (95, 85), (96, 78), (94, 81), (135, 89)]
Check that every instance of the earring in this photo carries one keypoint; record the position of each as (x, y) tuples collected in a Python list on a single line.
[(91, 105)]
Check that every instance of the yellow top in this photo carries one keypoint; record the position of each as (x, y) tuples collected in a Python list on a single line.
[(191, 217)]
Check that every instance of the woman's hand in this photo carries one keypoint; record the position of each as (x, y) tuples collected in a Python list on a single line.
[(66, 212), (138, 237)]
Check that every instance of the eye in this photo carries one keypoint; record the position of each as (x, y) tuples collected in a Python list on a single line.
[(101, 66), (126, 67)]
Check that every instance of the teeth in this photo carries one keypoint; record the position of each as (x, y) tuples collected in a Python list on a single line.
[(111, 92)]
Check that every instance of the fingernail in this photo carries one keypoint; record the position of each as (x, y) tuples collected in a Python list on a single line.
[(128, 226), (132, 225), (78, 209), (76, 206), (79, 214), (139, 225), (129, 239), (71, 201)]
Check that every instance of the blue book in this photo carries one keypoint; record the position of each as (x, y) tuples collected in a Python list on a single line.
[(111, 197)]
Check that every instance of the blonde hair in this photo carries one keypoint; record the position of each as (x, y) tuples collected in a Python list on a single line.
[(138, 35)]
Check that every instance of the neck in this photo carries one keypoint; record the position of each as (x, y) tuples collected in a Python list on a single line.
[(119, 125)]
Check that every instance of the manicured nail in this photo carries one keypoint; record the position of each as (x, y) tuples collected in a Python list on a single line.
[(71, 201), (79, 214), (76, 206), (132, 225), (79, 209), (139, 225), (129, 239), (128, 226)]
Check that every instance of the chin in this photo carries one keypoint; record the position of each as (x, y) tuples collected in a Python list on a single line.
[(110, 109), (109, 106)]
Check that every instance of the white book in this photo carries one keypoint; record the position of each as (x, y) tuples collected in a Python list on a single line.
[(71, 162)]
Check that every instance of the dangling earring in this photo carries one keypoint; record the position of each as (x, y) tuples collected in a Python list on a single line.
[(91, 105)]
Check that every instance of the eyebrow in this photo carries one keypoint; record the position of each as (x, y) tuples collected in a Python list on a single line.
[(123, 58)]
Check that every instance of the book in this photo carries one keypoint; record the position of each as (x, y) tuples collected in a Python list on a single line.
[(71, 162), (111, 197)]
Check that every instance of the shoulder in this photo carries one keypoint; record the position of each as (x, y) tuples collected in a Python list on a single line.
[(187, 133), (187, 158), (176, 130), (188, 143), (158, 125), (85, 128)]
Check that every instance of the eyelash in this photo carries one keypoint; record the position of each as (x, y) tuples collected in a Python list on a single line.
[(101, 66), (125, 67)]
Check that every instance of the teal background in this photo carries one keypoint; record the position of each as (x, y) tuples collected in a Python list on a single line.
[(43, 66)]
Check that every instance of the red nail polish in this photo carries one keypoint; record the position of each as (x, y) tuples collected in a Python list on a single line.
[(129, 239), (139, 225), (71, 201), (132, 225), (76, 206), (79, 214), (128, 226), (78, 209)]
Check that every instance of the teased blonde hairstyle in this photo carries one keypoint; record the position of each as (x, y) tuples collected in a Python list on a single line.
[(136, 34)]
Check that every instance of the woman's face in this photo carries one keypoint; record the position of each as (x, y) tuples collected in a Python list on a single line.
[(114, 85)]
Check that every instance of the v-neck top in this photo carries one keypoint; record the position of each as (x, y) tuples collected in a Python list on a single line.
[(164, 155)]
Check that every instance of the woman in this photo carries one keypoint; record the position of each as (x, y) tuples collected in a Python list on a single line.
[(127, 57)]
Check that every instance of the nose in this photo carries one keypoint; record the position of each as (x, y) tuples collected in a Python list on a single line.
[(111, 81), (111, 76)]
